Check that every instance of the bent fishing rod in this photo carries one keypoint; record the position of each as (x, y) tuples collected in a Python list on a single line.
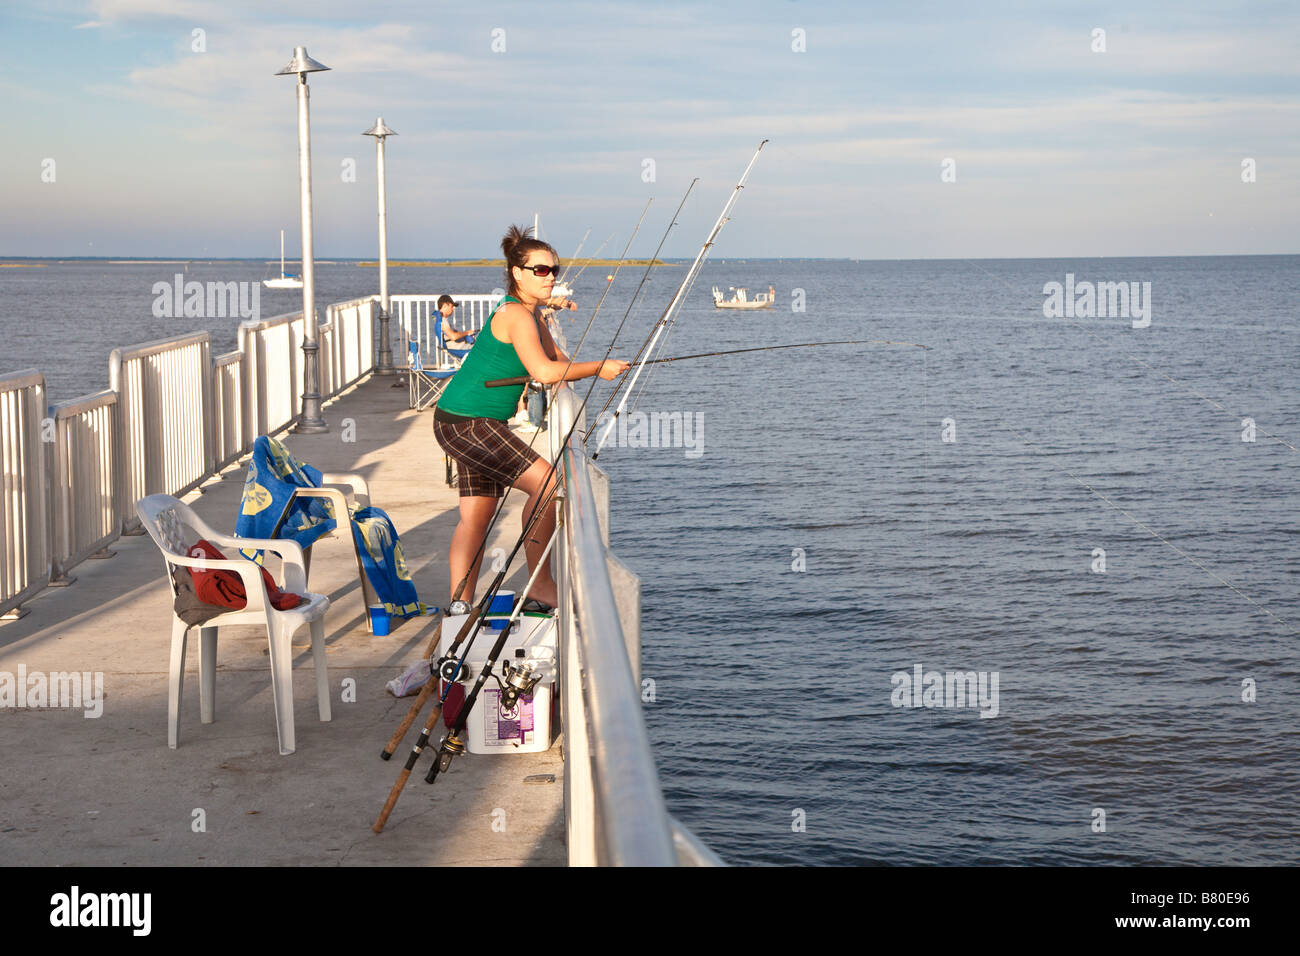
[(519, 380), (647, 347), (418, 704)]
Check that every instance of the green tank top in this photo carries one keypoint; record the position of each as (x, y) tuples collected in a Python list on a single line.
[(488, 359)]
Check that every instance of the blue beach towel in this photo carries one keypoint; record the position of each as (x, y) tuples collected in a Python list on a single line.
[(273, 474), (385, 564)]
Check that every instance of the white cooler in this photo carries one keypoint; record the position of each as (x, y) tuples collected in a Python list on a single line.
[(531, 725)]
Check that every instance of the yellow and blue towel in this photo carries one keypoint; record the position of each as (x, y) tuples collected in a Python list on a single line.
[(384, 562), (273, 474)]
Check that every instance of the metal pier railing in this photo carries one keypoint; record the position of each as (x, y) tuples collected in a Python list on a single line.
[(176, 415), (614, 809), (172, 417)]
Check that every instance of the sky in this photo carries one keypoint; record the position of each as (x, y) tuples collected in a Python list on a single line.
[(897, 130)]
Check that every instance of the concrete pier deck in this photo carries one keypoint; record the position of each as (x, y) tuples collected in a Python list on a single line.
[(108, 791)]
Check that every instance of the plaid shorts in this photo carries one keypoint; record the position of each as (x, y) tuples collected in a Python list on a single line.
[(489, 457)]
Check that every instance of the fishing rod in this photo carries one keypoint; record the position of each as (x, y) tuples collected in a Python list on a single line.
[(608, 285), (451, 744), (418, 704), (450, 675), (687, 282), (498, 382), (519, 681), (594, 255), (448, 750), (647, 347), (640, 285), (576, 253)]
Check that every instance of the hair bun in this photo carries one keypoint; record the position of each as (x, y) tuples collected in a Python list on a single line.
[(518, 242), (514, 236)]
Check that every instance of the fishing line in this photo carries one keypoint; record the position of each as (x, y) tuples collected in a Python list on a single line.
[(497, 382), (609, 285), (664, 322), (649, 266), (635, 396)]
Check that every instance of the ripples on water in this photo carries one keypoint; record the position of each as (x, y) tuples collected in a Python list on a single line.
[(1119, 691)]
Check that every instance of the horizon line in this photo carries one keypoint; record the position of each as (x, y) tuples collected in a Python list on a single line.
[(372, 262)]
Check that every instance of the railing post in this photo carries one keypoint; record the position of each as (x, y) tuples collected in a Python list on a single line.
[(209, 411), (60, 498)]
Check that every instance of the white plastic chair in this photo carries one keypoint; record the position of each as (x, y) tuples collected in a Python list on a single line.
[(329, 489), (175, 527)]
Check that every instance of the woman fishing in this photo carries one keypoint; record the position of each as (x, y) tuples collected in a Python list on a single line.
[(470, 419)]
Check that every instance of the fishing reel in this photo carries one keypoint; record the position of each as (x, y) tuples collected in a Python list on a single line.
[(452, 746), (452, 670), (517, 680)]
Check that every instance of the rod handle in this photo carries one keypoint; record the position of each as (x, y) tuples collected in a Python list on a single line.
[(392, 800), (498, 382), (404, 775), (416, 706)]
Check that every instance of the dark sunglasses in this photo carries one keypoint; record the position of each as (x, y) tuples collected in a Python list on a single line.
[(541, 271)]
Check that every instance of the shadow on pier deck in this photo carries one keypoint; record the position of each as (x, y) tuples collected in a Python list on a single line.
[(108, 791)]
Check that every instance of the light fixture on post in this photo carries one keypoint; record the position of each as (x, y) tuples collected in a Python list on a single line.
[(309, 419), (385, 364)]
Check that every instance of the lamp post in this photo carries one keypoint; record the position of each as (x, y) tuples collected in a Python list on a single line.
[(385, 365), (310, 420)]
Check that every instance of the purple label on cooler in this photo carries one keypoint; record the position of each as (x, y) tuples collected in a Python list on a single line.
[(509, 726)]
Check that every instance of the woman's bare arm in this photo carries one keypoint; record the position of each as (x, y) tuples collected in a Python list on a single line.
[(513, 324)]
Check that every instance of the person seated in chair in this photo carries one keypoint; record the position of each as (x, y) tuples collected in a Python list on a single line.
[(447, 306)]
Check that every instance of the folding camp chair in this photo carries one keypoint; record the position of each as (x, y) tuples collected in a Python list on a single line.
[(449, 356), (426, 384)]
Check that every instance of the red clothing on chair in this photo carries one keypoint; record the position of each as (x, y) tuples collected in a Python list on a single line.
[(226, 588)]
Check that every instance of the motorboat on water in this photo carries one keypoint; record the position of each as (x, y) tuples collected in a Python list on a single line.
[(285, 281), (741, 299)]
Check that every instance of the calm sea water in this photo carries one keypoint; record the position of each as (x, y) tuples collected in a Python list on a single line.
[(826, 538)]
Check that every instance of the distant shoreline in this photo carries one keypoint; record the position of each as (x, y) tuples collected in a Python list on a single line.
[(500, 263)]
